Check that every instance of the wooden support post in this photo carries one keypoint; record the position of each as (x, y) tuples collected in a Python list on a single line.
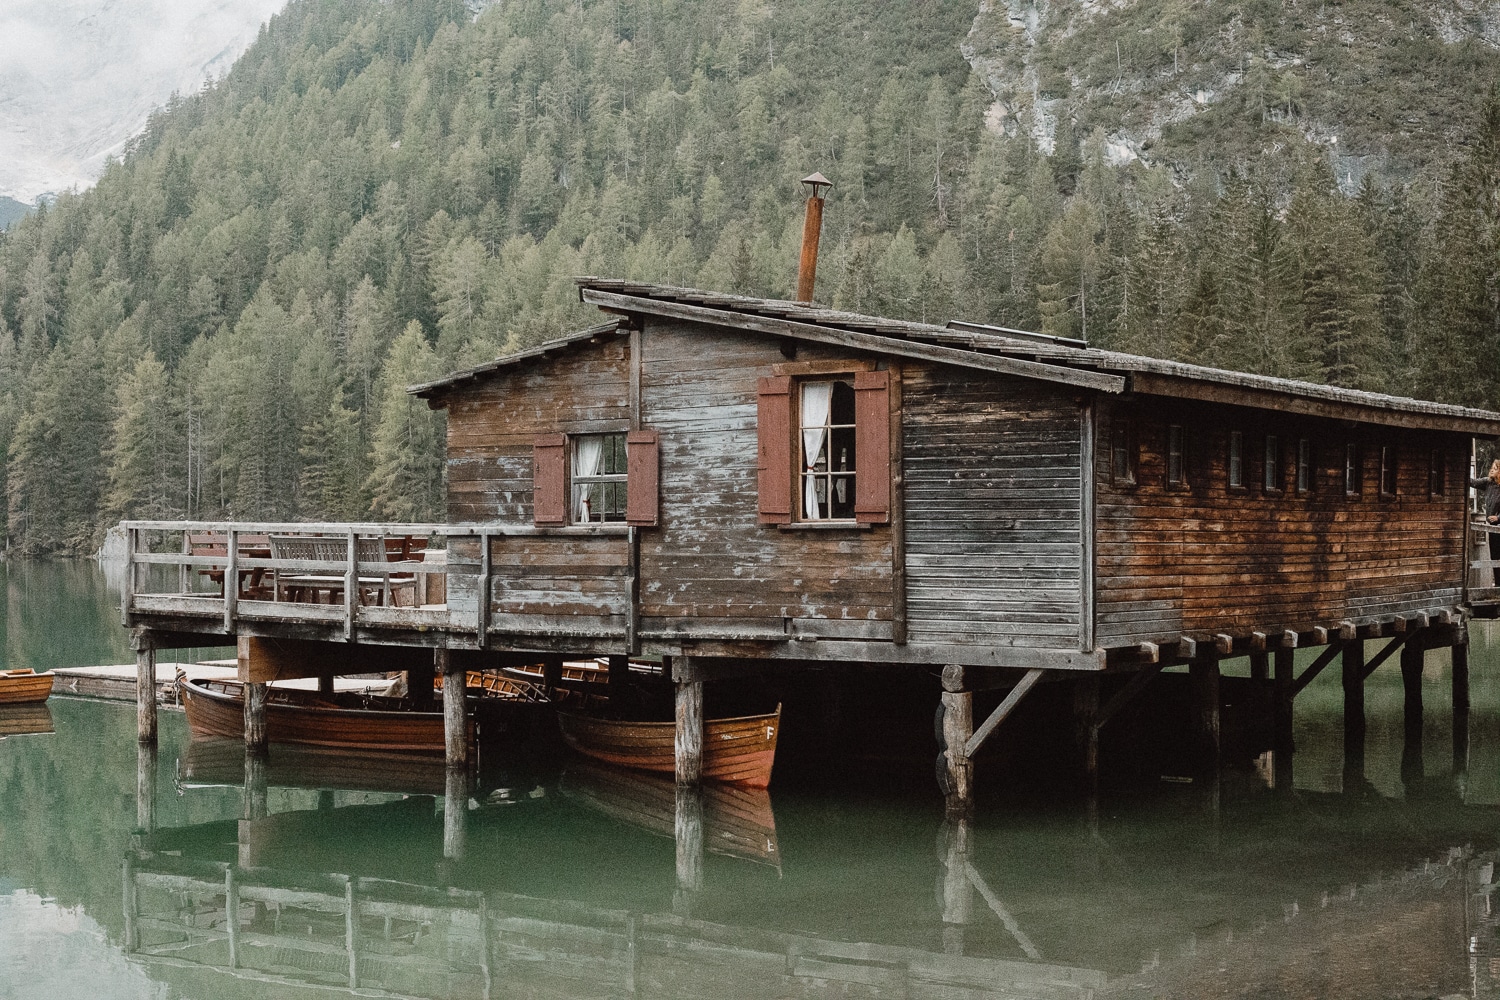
[(145, 688), (483, 596), (145, 787), (1460, 654), (1411, 682), (1260, 666), (455, 813), (688, 745), (1086, 724), (325, 684), (1282, 745), (455, 711), (619, 677), (955, 769), (1203, 678), (1354, 709), (688, 833), (256, 737), (551, 674)]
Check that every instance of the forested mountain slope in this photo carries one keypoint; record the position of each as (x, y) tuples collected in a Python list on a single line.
[(378, 192)]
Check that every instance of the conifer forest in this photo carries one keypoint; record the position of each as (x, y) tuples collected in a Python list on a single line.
[(379, 193)]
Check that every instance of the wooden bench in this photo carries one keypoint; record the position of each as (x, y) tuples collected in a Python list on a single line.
[(251, 582), (391, 590)]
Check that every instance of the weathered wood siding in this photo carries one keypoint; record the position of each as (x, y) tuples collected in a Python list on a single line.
[(710, 565), (1204, 558), (537, 582), (992, 496)]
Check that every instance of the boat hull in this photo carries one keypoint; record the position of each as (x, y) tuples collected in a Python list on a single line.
[(740, 750), (22, 687), (217, 709)]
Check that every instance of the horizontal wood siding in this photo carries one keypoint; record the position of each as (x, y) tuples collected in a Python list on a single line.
[(1203, 558), (711, 559), (993, 522), (492, 427)]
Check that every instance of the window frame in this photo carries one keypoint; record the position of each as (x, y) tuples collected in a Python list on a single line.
[(1177, 455), (1437, 473), (576, 482), (799, 469), (1390, 471), (1306, 467), (1123, 461), (1234, 465), (1270, 478), (1354, 471)]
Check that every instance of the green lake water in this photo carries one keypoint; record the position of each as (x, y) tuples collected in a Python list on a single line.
[(180, 873)]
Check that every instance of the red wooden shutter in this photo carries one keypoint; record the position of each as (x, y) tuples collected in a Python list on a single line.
[(872, 447), (642, 464), (549, 501), (775, 449)]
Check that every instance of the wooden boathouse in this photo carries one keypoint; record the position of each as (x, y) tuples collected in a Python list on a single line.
[(724, 482)]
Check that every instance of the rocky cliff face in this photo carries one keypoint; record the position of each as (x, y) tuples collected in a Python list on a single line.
[(79, 77), (1379, 85)]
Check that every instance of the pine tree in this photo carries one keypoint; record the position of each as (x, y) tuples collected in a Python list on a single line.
[(406, 478)]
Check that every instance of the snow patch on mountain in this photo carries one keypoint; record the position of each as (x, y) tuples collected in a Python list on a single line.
[(78, 78)]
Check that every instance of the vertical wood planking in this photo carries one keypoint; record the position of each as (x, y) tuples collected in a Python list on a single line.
[(549, 480), (898, 507), (773, 428), (643, 466), (1086, 446)]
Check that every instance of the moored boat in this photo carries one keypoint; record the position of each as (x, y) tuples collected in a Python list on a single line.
[(740, 750), (24, 686), (216, 708)]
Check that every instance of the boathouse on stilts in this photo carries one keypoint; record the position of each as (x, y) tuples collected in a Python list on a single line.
[(726, 483)]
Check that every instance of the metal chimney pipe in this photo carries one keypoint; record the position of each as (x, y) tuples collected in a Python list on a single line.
[(812, 229)]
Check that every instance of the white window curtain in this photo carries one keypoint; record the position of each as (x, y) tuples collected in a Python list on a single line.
[(816, 397), (587, 451)]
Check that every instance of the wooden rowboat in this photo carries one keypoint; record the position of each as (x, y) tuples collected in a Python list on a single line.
[(216, 708), (739, 750), (24, 686)]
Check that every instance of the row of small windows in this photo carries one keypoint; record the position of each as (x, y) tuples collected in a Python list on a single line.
[(1123, 464)]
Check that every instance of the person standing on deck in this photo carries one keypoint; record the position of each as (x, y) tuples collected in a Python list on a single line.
[(1491, 486)]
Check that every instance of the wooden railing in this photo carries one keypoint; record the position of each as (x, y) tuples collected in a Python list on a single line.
[(278, 571), (1483, 568)]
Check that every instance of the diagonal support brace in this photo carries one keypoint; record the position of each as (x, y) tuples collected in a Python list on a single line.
[(1022, 688)]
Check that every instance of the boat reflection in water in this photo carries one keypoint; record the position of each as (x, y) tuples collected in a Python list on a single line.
[(25, 720)]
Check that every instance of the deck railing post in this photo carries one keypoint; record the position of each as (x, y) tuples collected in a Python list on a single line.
[(231, 578), (127, 584), (351, 587), (183, 572)]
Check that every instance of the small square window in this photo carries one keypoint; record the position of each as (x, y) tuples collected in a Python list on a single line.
[(1271, 479), (1351, 469), (1122, 454), (1304, 466), (1387, 471), (1236, 460), (1437, 479), (1176, 456), (599, 485)]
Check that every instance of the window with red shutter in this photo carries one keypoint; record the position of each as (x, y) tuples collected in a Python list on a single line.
[(643, 451), (549, 480), (775, 449)]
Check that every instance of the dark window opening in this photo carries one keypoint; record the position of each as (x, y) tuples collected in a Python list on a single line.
[(1236, 459), (1437, 479), (1122, 455), (1271, 479), (1176, 456), (1351, 470), (1304, 466)]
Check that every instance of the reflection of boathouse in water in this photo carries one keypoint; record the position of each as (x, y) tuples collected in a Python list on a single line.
[(741, 486), (573, 895)]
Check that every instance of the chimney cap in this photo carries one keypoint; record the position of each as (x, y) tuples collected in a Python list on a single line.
[(816, 181)]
